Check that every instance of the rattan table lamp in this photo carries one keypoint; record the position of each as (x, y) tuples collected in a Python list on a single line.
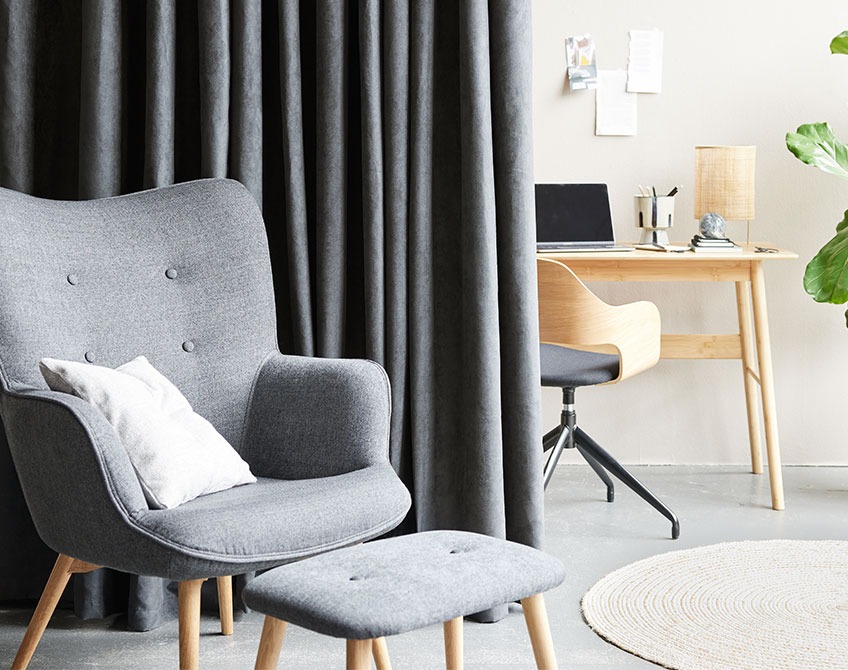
[(724, 182)]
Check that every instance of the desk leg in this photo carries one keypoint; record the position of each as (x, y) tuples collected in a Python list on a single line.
[(767, 384), (743, 308)]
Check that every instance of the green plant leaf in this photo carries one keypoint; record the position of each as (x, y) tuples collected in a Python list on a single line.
[(839, 44), (826, 276), (816, 145)]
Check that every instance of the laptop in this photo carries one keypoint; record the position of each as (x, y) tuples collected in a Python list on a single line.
[(574, 217)]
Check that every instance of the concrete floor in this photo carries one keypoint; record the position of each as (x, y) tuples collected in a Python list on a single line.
[(590, 536)]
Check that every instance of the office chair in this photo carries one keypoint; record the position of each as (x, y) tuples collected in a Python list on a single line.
[(586, 342)]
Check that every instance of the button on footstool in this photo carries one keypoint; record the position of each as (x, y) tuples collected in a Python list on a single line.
[(392, 586)]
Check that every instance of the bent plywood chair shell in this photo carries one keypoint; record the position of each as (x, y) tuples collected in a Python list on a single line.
[(571, 315)]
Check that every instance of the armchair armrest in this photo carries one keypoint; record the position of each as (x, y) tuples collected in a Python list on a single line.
[(571, 315), (316, 417), (71, 465)]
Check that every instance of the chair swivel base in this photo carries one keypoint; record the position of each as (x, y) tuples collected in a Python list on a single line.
[(568, 435)]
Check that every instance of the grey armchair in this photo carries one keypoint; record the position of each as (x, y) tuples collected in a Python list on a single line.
[(182, 275)]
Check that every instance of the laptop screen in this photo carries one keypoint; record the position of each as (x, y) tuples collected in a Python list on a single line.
[(573, 214)]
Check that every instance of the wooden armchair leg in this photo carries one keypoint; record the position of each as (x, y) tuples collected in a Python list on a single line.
[(189, 623), (536, 619), (380, 650), (64, 567), (225, 604), (270, 644)]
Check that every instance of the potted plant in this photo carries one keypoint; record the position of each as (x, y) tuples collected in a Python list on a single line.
[(826, 276)]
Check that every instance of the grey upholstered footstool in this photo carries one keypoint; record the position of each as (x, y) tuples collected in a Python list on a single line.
[(369, 591)]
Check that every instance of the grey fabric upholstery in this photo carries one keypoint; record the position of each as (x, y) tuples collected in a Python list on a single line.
[(350, 397), (90, 278), (93, 277), (402, 583), (563, 367)]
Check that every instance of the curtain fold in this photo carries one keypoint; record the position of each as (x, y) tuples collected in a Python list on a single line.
[(396, 211), (214, 70), (17, 104), (246, 96), (422, 358), (389, 144), (373, 176), (331, 141), (511, 52), (294, 182), (160, 94), (101, 100)]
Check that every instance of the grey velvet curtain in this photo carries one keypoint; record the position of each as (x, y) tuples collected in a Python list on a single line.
[(389, 145)]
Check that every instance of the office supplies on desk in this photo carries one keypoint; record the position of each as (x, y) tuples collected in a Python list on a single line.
[(654, 216), (574, 217), (674, 248), (714, 244)]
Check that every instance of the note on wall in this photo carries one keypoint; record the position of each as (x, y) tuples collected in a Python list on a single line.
[(580, 56), (615, 108), (644, 66)]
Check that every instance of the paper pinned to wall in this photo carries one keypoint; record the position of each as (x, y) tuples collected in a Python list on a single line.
[(644, 66), (580, 56), (615, 108)]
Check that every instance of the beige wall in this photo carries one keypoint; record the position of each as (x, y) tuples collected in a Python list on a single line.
[(741, 72)]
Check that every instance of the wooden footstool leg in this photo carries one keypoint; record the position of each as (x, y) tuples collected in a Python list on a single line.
[(358, 655), (381, 654), (270, 644), (536, 619), (225, 604), (453, 644)]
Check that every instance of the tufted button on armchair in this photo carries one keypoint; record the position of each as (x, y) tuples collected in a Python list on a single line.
[(181, 275)]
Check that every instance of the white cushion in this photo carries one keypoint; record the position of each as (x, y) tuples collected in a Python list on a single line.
[(177, 454)]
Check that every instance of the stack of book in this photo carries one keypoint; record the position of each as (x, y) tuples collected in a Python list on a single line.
[(713, 244)]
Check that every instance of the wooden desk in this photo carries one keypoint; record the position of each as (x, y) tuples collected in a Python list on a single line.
[(751, 344)]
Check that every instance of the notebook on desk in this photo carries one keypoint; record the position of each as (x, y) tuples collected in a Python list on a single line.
[(574, 217)]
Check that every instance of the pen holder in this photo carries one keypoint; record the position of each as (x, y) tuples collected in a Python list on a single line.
[(654, 216)]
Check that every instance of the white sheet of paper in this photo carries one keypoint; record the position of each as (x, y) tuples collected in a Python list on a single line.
[(615, 108), (644, 66)]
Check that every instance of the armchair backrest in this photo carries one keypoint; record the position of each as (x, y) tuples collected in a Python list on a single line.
[(180, 274)]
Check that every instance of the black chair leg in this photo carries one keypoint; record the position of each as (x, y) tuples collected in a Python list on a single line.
[(598, 453), (599, 470), (553, 459), (557, 439), (550, 438)]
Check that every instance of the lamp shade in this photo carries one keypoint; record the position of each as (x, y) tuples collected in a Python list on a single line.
[(724, 181)]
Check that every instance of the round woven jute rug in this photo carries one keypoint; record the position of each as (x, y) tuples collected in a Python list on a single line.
[(770, 605)]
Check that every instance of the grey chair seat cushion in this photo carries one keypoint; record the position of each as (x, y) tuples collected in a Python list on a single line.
[(402, 583), (275, 521), (562, 366)]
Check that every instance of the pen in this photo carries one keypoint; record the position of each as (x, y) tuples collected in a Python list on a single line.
[(672, 192)]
